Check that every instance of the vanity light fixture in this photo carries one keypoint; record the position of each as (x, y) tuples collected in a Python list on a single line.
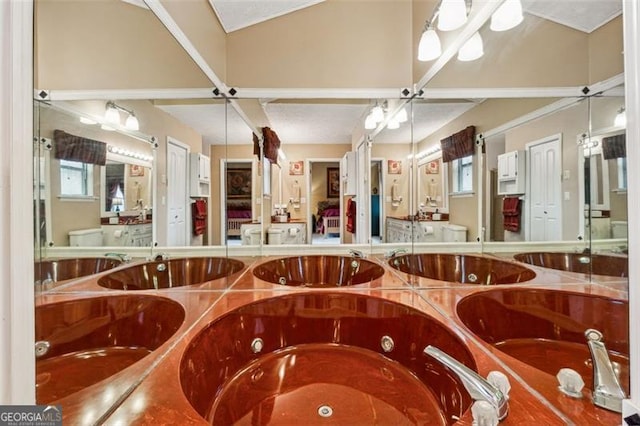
[(508, 15), (281, 154), (85, 120), (128, 153), (112, 115), (451, 15), (472, 49), (621, 118)]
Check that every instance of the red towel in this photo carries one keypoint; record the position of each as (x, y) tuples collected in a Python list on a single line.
[(199, 216), (351, 215), (511, 213)]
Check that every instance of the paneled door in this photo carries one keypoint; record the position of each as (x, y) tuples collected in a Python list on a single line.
[(177, 191), (545, 188)]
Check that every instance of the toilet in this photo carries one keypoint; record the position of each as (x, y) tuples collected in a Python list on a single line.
[(619, 229), (86, 238), (454, 233), (274, 236)]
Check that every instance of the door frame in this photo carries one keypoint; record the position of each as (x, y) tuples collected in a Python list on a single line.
[(381, 192), (548, 139), (308, 164), (223, 193), (187, 216)]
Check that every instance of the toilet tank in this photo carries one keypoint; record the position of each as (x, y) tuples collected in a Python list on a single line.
[(619, 228), (454, 233), (86, 238)]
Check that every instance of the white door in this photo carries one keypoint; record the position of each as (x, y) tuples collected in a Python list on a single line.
[(545, 208), (177, 154)]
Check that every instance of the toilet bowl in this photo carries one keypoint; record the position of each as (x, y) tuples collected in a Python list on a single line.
[(86, 238)]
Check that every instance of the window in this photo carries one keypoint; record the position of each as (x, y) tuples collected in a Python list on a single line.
[(622, 173), (462, 173), (76, 178)]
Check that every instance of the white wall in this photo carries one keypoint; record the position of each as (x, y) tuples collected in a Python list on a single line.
[(17, 365)]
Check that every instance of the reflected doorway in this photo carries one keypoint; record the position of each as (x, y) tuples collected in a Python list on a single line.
[(377, 204), (324, 201), (177, 192)]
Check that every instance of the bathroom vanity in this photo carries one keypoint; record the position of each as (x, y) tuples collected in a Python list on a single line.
[(403, 230)]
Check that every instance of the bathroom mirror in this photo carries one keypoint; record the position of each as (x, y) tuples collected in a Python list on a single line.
[(85, 203)]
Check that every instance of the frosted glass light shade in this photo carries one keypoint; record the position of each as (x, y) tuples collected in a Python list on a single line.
[(452, 15), (402, 116), (472, 49), (393, 124), (132, 123), (370, 122), (621, 118), (112, 115), (377, 113), (508, 15), (429, 47)]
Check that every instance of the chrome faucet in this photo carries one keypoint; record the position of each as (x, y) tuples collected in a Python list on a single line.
[(160, 256), (394, 253), (357, 254), (124, 258), (478, 387), (607, 392)]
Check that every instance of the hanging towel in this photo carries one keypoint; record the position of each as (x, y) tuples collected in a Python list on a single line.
[(199, 216), (511, 213), (351, 215)]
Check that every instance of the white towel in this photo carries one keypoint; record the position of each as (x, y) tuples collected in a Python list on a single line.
[(428, 230)]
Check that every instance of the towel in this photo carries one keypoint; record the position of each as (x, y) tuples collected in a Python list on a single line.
[(351, 215), (199, 216), (511, 213)]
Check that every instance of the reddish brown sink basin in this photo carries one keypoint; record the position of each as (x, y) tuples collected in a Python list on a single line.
[(66, 269), (171, 273), (614, 266), (318, 271), (462, 268), (323, 350), (545, 328), (93, 339)]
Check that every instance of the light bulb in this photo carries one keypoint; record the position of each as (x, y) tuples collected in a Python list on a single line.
[(452, 15), (377, 113), (621, 118), (369, 122), (429, 47), (112, 115), (508, 15), (132, 123), (472, 49)]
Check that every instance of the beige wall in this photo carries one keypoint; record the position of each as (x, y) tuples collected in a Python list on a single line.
[(337, 43), (397, 152), (605, 51), (107, 44)]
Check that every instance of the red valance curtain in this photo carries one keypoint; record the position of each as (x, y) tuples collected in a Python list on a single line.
[(76, 148), (271, 145), (614, 147), (458, 145)]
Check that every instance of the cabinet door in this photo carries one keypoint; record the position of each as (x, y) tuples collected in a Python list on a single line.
[(508, 165), (205, 167)]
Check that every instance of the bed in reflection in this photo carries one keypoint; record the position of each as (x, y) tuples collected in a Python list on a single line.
[(238, 212), (328, 218)]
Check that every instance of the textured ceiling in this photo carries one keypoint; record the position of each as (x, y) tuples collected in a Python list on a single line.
[(583, 15), (238, 14)]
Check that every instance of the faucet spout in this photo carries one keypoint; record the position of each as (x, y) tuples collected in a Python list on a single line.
[(478, 387), (356, 253), (607, 392), (124, 258), (394, 252)]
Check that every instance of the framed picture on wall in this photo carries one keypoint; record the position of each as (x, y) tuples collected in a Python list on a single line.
[(136, 170), (239, 183), (433, 167), (394, 167), (333, 182), (296, 167)]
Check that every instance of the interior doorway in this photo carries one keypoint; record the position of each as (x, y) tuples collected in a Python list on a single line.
[(324, 190), (545, 199), (177, 193), (377, 203), (236, 206)]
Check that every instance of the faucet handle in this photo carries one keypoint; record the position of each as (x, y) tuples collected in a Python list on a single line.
[(484, 414), (500, 381)]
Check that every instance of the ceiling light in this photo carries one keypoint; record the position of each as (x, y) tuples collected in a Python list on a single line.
[(132, 123), (369, 122), (393, 124), (429, 47), (452, 14), (472, 49), (401, 115), (111, 115), (377, 113), (621, 118), (508, 15)]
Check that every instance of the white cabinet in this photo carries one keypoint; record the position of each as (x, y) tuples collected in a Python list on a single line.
[(511, 173), (287, 233), (133, 235), (348, 173), (406, 231), (200, 175)]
